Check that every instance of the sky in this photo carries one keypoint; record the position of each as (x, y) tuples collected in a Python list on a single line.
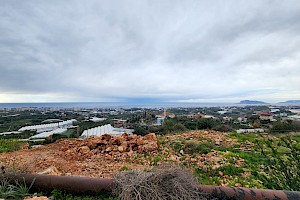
[(156, 50)]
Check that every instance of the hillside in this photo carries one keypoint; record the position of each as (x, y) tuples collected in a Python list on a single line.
[(252, 102), (216, 158)]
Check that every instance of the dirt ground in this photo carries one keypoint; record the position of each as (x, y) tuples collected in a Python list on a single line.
[(105, 156)]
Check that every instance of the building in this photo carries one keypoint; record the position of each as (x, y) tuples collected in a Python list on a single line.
[(294, 118), (96, 119), (106, 129), (266, 116), (49, 127), (160, 120), (120, 123), (48, 134), (257, 130)]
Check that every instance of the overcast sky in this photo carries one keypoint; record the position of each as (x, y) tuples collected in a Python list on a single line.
[(187, 51)]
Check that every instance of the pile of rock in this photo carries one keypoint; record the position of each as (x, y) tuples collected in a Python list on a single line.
[(110, 145)]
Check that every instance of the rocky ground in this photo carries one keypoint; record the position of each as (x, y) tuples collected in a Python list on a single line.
[(103, 156)]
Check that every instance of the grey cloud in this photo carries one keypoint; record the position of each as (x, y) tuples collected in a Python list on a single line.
[(160, 49)]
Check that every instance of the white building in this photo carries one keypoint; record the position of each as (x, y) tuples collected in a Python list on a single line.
[(44, 135), (257, 130), (106, 129), (49, 127), (96, 119)]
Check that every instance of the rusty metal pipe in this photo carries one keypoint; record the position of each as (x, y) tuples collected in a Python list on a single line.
[(73, 184), (238, 193), (77, 184)]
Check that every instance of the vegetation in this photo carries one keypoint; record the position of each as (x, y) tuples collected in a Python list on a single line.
[(285, 126), (13, 191), (61, 195), (8, 145), (254, 160), (282, 170)]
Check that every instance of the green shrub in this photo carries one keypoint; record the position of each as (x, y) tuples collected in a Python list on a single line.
[(191, 148), (282, 170)]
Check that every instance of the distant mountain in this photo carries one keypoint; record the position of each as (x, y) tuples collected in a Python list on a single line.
[(291, 102), (252, 102)]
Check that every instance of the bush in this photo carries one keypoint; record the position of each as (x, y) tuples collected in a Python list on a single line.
[(165, 182), (282, 171), (197, 148), (223, 128)]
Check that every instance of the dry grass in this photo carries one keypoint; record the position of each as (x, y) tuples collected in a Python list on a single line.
[(163, 183)]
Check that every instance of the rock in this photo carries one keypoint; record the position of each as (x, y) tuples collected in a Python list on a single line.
[(181, 152), (139, 141), (150, 146), (36, 198), (150, 136), (51, 171), (132, 137), (202, 159), (124, 145), (108, 149), (124, 135), (173, 158), (37, 146), (25, 147), (238, 185), (120, 148), (84, 149), (106, 137)]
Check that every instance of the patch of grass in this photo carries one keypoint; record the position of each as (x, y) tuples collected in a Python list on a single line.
[(9, 145), (197, 148), (13, 191), (125, 168), (177, 146), (251, 137), (229, 170), (155, 159), (61, 195)]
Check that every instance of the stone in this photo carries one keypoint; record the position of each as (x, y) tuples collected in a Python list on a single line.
[(150, 136), (139, 141), (106, 137), (173, 158), (36, 198), (181, 152), (108, 149), (84, 149), (124, 145), (150, 146), (51, 171), (120, 148)]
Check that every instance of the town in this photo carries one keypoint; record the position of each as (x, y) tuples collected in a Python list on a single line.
[(40, 123)]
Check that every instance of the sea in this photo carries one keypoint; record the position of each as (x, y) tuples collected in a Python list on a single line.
[(90, 105)]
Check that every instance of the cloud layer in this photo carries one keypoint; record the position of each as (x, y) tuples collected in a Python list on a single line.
[(172, 50)]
